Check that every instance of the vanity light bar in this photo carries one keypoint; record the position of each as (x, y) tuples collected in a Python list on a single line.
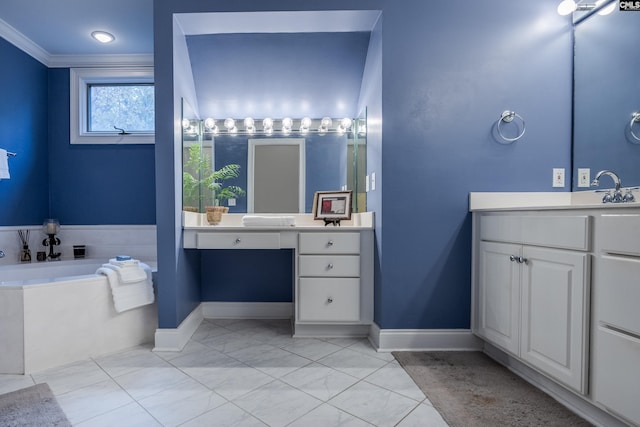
[(286, 126)]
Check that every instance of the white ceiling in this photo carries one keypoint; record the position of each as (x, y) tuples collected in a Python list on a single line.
[(58, 33)]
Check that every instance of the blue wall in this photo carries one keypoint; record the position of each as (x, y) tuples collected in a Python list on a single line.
[(448, 70), (607, 85), (78, 184), (23, 129), (95, 184)]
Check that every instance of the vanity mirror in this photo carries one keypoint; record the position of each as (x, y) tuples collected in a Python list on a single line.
[(606, 94), (270, 167)]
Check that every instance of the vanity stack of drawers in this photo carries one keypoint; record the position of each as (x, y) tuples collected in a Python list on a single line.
[(329, 277)]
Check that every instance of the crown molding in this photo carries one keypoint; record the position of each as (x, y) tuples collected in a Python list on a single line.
[(25, 44), (98, 60)]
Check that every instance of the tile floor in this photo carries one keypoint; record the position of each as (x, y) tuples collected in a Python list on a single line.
[(239, 373)]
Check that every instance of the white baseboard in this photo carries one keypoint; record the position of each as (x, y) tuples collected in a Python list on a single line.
[(572, 401), (174, 339), (423, 339), (247, 310), (304, 330)]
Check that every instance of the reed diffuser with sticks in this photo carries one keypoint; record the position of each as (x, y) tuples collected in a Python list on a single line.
[(25, 253)]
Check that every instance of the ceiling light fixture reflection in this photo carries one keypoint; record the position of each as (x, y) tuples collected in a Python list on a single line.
[(103, 36), (607, 9), (210, 125), (344, 125)]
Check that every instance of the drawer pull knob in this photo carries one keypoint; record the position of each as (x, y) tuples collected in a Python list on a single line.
[(513, 258), (330, 266), (330, 243), (237, 241), (522, 260), (329, 300)]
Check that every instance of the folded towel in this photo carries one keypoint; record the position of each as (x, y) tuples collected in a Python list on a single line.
[(128, 274), (4, 164), (127, 296), (268, 221)]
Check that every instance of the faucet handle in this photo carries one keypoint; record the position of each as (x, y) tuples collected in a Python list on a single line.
[(608, 197), (628, 196)]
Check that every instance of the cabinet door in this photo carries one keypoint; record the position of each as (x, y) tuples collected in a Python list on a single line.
[(554, 313), (499, 295)]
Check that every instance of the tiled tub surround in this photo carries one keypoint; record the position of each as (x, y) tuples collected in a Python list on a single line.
[(237, 372), (61, 311)]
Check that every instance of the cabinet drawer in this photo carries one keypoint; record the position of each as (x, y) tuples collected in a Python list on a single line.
[(329, 243), (329, 300), (618, 292), (329, 265), (616, 377), (620, 234), (567, 232), (228, 240)]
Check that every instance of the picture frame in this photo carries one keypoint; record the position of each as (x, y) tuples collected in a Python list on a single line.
[(332, 206)]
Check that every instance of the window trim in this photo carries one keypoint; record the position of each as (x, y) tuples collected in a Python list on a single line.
[(80, 79)]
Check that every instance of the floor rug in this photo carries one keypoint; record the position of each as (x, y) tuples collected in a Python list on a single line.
[(31, 406), (469, 389)]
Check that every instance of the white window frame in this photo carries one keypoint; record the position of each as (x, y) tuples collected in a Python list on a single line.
[(81, 79)]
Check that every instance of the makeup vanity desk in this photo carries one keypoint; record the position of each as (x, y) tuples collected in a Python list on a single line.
[(333, 277)]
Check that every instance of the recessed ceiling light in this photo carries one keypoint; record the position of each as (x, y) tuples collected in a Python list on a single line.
[(103, 36)]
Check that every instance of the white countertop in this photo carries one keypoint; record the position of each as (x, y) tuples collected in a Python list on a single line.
[(498, 201), (233, 222)]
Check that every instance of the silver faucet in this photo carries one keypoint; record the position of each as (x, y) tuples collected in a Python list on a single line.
[(617, 196)]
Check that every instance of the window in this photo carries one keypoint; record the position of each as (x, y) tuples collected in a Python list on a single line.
[(112, 106)]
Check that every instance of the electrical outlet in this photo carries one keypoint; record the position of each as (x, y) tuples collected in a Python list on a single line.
[(558, 177), (373, 181), (232, 202), (584, 177), (366, 183)]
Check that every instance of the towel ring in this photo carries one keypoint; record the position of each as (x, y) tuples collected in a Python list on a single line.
[(507, 117), (635, 118)]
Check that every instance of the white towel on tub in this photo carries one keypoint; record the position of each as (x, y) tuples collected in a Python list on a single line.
[(131, 294)]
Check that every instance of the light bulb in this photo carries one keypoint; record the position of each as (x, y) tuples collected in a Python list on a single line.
[(567, 7), (305, 124), (267, 125), (229, 124), (249, 125), (209, 123), (287, 124), (185, 124), (103, 36), (325, 124), (345, 123), (607, 9)]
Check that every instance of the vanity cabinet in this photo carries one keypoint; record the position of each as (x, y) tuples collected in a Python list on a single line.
[(333, 267), (329, 277), (616, 347), (532, 291)]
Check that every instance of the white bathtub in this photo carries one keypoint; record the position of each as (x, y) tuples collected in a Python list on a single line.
[(54, 313)]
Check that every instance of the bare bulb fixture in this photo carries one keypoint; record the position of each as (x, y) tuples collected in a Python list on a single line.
[(103, 36), (567, 7)]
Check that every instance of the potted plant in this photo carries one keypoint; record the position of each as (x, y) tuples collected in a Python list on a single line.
[(198, 176)]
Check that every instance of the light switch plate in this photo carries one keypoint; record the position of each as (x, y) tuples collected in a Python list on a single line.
[(373, 181), (366, 183), (584, 177), (558, 177)]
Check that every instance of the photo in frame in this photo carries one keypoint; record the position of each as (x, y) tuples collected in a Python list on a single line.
[(332, 206)]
